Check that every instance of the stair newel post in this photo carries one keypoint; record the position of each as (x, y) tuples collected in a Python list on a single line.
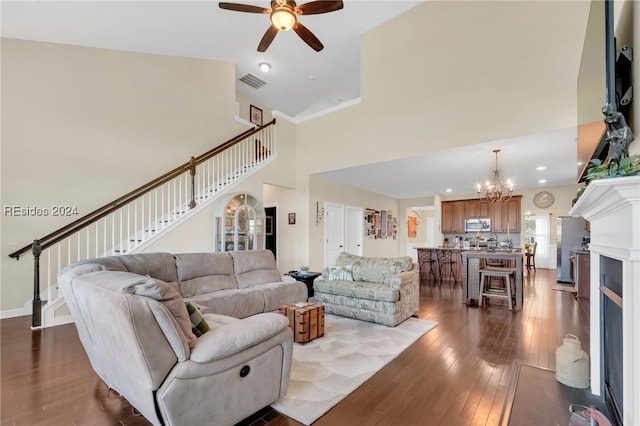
[(192, 171), (36, 316)]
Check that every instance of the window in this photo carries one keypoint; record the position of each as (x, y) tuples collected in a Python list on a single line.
[(537, 230)]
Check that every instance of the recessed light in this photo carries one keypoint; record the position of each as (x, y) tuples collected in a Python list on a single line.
[(449, 190), (541, 168), (542, 181), (264, 66)]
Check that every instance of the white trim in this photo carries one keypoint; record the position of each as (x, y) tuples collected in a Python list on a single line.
[(303, 118), (613, 206), (12, 313), (243, 121)]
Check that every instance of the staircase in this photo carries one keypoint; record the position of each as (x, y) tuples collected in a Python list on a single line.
[(134, 221)]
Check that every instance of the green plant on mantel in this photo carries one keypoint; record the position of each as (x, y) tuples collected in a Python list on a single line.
[(629, 166)]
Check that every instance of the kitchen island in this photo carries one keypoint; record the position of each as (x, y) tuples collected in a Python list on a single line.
[(471, 263)]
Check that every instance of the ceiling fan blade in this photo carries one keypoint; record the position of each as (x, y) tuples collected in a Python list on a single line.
[(267, 38), (308, 37), (316, 7), (237, 7)]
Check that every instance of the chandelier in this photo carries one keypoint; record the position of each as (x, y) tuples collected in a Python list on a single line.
[(495, 189)]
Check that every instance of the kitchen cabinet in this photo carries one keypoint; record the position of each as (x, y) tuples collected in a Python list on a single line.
[(452, 217), (474, 209), (446, 215), (484, 208), (458, 216), (506, 215), (503, 215), (471, 210)]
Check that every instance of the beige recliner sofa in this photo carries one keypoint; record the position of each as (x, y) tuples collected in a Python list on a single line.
[(136, 330)]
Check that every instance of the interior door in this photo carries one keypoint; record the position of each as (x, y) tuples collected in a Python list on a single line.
[(333, 232), (354, 230)]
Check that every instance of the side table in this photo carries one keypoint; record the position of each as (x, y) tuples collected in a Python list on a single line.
[(307, 279)]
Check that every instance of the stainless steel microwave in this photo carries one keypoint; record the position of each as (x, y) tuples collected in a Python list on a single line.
[(482, 224)]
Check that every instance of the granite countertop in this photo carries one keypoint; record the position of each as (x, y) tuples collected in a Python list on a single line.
[(443, 248), (482, 250), (494, 253)]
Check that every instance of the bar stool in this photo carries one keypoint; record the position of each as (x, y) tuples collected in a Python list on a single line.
[(495, 263), (530, 252), (446, 261), (427, 264), (489, 291)]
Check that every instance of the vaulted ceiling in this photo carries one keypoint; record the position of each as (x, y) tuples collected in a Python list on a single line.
[(301, 82)]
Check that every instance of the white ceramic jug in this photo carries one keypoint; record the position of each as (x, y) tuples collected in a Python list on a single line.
[(572, 363)]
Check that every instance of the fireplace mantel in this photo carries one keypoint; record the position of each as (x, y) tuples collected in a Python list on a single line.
[(612, 206)]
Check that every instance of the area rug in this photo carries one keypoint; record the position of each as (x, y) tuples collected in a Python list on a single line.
[(326, 370)]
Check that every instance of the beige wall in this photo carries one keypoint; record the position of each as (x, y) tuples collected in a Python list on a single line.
[(411, 105), (411, 207), (83, 126), (564, 196), (473, 91), (88, 120), (292, 240), (244, 104), (321, 191)]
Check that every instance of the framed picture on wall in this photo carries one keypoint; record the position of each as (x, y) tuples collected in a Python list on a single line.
[(412, 226), (292, 218), (255, 115)]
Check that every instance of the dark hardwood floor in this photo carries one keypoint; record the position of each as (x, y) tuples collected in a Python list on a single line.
[(457, 374)]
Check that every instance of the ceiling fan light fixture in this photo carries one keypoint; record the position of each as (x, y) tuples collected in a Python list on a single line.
[(283, 18)]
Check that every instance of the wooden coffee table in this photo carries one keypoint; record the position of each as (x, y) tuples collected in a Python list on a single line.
[(305, 319)]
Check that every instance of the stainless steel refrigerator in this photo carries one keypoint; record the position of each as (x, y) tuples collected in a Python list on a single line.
[(570, 232)]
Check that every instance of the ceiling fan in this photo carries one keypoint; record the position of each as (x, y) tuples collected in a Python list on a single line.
[(283, 18)]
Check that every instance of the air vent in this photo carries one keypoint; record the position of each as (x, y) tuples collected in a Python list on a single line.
[(253, 81)]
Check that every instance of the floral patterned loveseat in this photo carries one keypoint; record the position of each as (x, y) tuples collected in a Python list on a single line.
[(381, 290)]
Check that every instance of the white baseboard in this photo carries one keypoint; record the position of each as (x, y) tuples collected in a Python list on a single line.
[(64, 319), (12, 313)]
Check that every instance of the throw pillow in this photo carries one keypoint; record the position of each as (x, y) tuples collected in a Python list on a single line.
[(339, 273), (199, 325), (165, 294)]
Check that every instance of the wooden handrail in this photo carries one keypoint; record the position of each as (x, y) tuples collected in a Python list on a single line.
[(222, 147), (94, 216)]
